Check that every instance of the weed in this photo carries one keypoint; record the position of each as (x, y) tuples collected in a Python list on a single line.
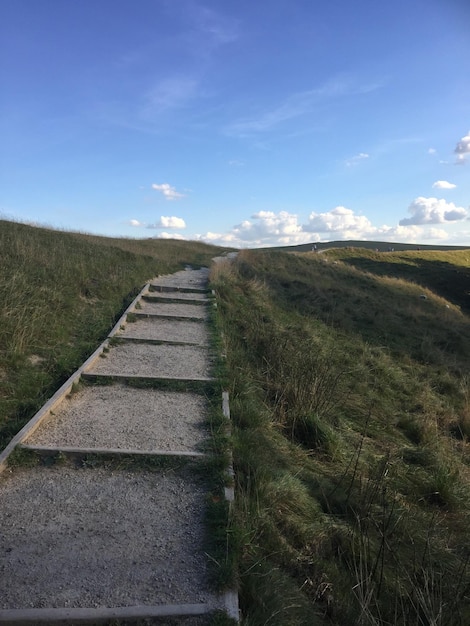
[(21, 457)]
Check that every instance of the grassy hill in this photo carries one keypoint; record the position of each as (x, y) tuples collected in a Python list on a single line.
[(378, 246), (349, 379), (60, 294), (350, 398)]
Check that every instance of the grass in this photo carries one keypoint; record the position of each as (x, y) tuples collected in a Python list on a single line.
[(60, 294), (350, 404)]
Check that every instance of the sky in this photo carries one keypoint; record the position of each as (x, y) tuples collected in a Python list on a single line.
[(236, 122)]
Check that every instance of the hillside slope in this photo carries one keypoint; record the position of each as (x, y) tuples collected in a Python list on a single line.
[(350, 398), (60, 293)]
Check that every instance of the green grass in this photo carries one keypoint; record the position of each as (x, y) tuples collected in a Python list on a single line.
[(350, 404), (60, 294)]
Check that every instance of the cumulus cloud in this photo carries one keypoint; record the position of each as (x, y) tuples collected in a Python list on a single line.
[(339, 220), (264, 228), (462, 149), (169, 222), (407, 234), (432, 151), (443, 184), (433, 211), (136, 223), (436, 233), (267, 228), (168, 191)]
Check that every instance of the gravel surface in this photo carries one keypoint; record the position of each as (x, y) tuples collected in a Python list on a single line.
[(177, 295), (91, 538), (135, 359), (104, 536), (124, 418), (186, 279), (159, 329), (178, 310)]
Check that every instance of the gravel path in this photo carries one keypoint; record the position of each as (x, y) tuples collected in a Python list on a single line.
[(177, 295), (168, 361), (104, 536), (124, 418), (159, 329), (90, 538), (195, 311), (186, 279)]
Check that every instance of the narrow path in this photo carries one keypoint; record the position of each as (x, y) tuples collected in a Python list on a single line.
[(117, 531)]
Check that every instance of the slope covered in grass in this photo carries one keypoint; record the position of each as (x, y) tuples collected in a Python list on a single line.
[(350, 397), (60, 294)]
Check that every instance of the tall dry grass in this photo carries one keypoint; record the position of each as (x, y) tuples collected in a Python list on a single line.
[(352, 470)]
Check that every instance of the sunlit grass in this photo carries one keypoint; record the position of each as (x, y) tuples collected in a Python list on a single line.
[(60, 294), (350, 405)]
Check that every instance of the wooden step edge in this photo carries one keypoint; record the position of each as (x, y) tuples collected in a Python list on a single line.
[(91, 615), (112, 451)]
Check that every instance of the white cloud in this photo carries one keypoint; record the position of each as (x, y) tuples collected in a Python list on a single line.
[(136, 223), (168, 191), (339, 220), (165, 235), (443, 184), (169, 222), (436, 233), (433, 211), (462, 149), (406, 234), (432, 151), (356, 159), (264, 228), (267, 228)]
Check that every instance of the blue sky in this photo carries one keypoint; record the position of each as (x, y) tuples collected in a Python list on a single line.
[(238, 122)]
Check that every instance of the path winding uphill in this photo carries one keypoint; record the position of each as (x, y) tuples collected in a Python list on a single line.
[(116, 529)]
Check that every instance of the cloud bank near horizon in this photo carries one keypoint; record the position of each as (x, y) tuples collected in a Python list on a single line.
[(427, 222), (267, 228)]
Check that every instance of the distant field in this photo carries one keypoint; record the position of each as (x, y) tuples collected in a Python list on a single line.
[(380, 246)]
